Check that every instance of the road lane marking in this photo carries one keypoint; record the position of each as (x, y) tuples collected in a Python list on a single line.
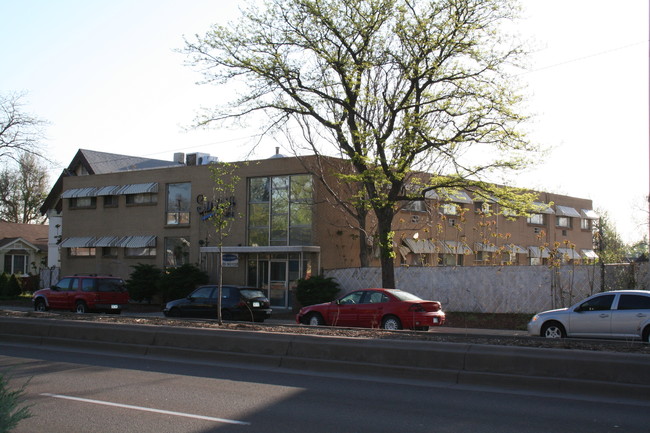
[(147, 409)]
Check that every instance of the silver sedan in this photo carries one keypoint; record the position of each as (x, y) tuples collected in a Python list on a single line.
[(623, 314)]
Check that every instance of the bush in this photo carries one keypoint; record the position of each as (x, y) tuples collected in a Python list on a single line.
[(10, 413), (144, 282), (13, 289), (4, 280), (316, 290), (179, 282)]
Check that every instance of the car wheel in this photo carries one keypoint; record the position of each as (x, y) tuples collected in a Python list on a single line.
[(646, 334), (314, 319), (226, 315), (553, 330), (39, 305), (174, 312), (391, 323), (81, 307)]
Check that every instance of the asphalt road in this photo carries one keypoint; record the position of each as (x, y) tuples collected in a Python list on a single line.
[(101, 392)]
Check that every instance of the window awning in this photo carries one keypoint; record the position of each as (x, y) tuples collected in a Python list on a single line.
[(78, 242), (570, 253), (423, 246), (589, 254), (108, 190), (516, 249), (566, 211), (538, 252), (79, 192), (539, 207), (453, 247), (139, 188), (589, 214), (107, 241), (480, 246), (454, 196), (138, 241)]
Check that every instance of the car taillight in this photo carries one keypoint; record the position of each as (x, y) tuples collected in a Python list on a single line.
[(417, 308)]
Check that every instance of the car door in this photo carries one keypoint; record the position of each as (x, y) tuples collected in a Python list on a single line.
[(346, 311), (631, 311), (200, 303), (593, 317), (61, 291), (371, 309)]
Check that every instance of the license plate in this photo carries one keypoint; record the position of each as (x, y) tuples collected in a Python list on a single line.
[(436, 320), (115, 307), (256, 304)]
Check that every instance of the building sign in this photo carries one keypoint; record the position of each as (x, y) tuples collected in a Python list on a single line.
[(230, 260)]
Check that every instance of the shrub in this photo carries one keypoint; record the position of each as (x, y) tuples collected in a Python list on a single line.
[(10, 413), (144, 282), (13, 288), (316, 290), (4, 280), (179, 282)]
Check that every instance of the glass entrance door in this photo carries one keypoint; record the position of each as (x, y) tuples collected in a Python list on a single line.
[(278, 284)]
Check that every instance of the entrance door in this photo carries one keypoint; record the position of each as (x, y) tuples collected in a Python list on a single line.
[(278, 284)]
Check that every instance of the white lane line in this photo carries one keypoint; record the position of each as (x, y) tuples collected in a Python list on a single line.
[(147, 409)]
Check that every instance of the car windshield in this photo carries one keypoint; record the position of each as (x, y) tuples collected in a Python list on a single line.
[(404, 296), (110, 285), (252, 293)]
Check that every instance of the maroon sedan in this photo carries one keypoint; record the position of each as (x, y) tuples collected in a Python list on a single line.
[(375, 308)]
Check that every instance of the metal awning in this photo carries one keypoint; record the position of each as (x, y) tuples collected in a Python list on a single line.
[(78, 242), (539, 207), (108, 190), (538, 252), (107, 241), (480, 246), (138, 241), (453, 247), (569, 253), (79, 192), (589, 214), (589, 254), (453, 196), (516, 249), (421, 246), (566, 211), (139, 188)]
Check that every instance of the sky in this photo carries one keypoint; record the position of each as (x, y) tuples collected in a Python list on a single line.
[(107, 76)]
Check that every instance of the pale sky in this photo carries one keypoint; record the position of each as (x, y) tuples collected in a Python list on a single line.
[(107, 78)]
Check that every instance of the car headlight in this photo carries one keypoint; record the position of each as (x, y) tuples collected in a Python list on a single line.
[(534, 319)]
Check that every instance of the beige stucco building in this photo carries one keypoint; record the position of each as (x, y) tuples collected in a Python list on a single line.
[(286, 223)]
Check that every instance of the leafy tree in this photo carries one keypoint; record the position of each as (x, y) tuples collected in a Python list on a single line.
[(23, 190), (399, 87), (144, 282), (179, 282), (19, 132), (611, 248), (10, 412), (316, 290)]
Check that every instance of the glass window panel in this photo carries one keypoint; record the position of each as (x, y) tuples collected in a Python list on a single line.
[(178, 203), (300, 214), (300, 236), (177, 251), (258, 236), (301, 188), (258, 215), (259, 189)]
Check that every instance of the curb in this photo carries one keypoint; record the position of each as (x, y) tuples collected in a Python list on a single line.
[(618, 375)]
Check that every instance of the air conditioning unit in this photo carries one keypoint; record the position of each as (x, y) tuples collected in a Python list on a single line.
[(198, 158)]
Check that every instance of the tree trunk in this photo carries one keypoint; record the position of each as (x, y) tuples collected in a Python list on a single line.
[(387, 257)]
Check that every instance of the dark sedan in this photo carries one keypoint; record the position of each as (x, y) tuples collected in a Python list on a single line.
[(375, 308), (237, 303)]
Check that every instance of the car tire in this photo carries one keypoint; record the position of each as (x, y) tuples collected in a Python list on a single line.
[(392, 323), (174, 312), (314, 319), (646, 334), (226, 315), (39, 305), (81, 307), (553, 330)]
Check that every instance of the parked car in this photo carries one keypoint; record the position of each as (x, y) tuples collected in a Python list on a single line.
[(237, 303), (84, 293), (617, 314), (375, 308)]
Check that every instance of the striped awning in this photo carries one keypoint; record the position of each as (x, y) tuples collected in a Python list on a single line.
[(107, 241), (79, 192), (139, 188), (108, 190), (138, 241), (78, 242)]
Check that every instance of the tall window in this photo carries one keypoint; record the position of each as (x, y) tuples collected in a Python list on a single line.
[(178, 203), (177, 251), (280, 210), (536, 218), (15, 264)]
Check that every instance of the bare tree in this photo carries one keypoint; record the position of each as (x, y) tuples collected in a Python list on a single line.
[(396, 86), (19, 132)]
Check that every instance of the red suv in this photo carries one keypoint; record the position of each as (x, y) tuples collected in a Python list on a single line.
[(84, 293)]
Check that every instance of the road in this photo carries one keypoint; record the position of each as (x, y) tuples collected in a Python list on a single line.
[(103, 392)]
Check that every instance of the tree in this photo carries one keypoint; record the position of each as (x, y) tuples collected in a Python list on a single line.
[(611, 248), (23, 190), (399, 87), (179, 282), (19, 132)]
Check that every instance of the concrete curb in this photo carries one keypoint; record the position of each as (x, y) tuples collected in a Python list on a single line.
[(620, 375)]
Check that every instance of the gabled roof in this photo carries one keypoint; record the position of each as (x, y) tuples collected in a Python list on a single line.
[(34, 234), (94, 162)]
